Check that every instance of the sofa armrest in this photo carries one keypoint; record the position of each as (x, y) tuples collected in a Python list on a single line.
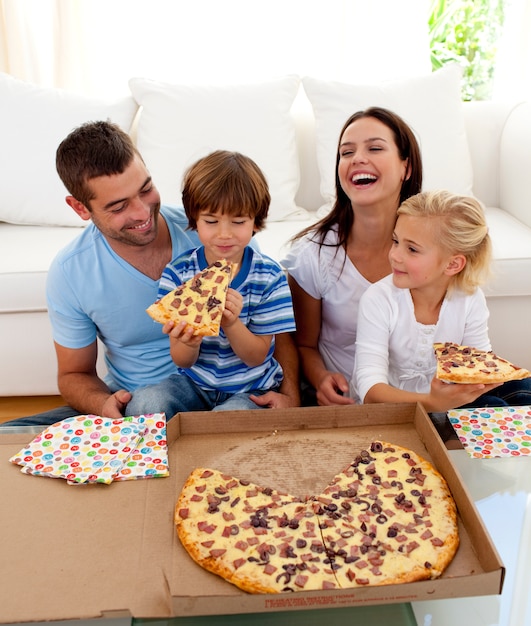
[(515, 164), (485, 121)]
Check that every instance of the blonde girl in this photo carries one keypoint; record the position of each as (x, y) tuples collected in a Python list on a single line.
[(440, 255)]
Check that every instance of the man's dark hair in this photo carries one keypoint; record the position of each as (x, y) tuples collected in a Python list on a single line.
[(93, 149)]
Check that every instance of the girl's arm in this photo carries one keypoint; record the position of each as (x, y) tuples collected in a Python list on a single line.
[(476, 331), (442, 396), (377, 314)]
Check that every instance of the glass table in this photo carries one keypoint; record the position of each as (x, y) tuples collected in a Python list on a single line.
[(501, 489)]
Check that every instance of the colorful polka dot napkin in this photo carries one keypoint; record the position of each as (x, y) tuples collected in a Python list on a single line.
[(89, 448), (494, 432)]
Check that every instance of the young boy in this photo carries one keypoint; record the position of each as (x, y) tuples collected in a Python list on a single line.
[(226, 200)]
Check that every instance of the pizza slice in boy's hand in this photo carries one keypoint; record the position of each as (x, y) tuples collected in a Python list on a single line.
[(464, 364), (199, 302)]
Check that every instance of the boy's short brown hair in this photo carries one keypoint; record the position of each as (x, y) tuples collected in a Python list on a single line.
[(226, 182)]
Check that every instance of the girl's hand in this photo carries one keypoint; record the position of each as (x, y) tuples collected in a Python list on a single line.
[(233, 308), (444, 396)]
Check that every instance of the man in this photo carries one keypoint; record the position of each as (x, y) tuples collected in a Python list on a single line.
[(100, 285)]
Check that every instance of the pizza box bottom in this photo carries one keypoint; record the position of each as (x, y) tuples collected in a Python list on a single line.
[(105, 551)]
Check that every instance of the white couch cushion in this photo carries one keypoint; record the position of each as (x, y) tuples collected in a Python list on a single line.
[(179, 124), (430, 104), (515, 163), (27, 252), (511, 243), (33, 121)]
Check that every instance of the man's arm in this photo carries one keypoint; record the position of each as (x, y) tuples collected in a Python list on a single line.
[(287, 355), (80, 385)]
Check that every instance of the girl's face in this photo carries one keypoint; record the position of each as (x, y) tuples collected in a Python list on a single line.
[(224, 236), (417, 260), (370, 168)]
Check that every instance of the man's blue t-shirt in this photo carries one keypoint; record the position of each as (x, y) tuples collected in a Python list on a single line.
[(92, 292)]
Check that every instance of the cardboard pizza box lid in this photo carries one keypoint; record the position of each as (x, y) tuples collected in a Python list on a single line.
[(111, 551)]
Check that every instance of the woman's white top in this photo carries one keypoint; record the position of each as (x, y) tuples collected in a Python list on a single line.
[(327, 274)]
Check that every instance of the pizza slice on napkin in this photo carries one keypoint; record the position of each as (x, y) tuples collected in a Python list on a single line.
[(464, 364), (199, 301)]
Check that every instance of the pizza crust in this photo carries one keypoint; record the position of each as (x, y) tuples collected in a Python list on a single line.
[(387, 518), (468, 365)]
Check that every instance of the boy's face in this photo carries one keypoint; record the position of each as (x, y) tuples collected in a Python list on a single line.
[(224, 236)]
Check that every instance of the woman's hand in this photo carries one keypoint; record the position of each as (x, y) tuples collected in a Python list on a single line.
[(331, 389)]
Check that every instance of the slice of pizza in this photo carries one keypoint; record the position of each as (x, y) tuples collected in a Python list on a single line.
[(259, 539), (464, 364), (402, 506), (199, 302)]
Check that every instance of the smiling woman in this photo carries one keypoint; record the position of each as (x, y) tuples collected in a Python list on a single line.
[(332, 263)]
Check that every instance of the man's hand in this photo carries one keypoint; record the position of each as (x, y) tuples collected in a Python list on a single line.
[(274, 400), (115, 404)]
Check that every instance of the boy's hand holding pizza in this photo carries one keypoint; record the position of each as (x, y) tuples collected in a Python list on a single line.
[(233, 308), (184, 344)]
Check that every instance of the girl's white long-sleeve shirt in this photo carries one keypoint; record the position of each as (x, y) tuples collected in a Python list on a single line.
[(393, 348)]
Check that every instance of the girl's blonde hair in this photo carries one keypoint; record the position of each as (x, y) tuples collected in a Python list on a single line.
[(461, 229)]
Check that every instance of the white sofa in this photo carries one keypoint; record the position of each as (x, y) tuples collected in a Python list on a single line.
[(290, 127)]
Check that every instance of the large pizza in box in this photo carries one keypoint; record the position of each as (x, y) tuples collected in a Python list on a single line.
[(387, 518)]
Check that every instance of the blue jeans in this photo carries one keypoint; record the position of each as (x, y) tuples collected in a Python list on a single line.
[(511, 393), (179, 393)]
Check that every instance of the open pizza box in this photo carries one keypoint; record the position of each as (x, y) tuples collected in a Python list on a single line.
[(91, 551)]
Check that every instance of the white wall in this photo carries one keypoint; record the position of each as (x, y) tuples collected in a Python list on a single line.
[(96, 45)]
